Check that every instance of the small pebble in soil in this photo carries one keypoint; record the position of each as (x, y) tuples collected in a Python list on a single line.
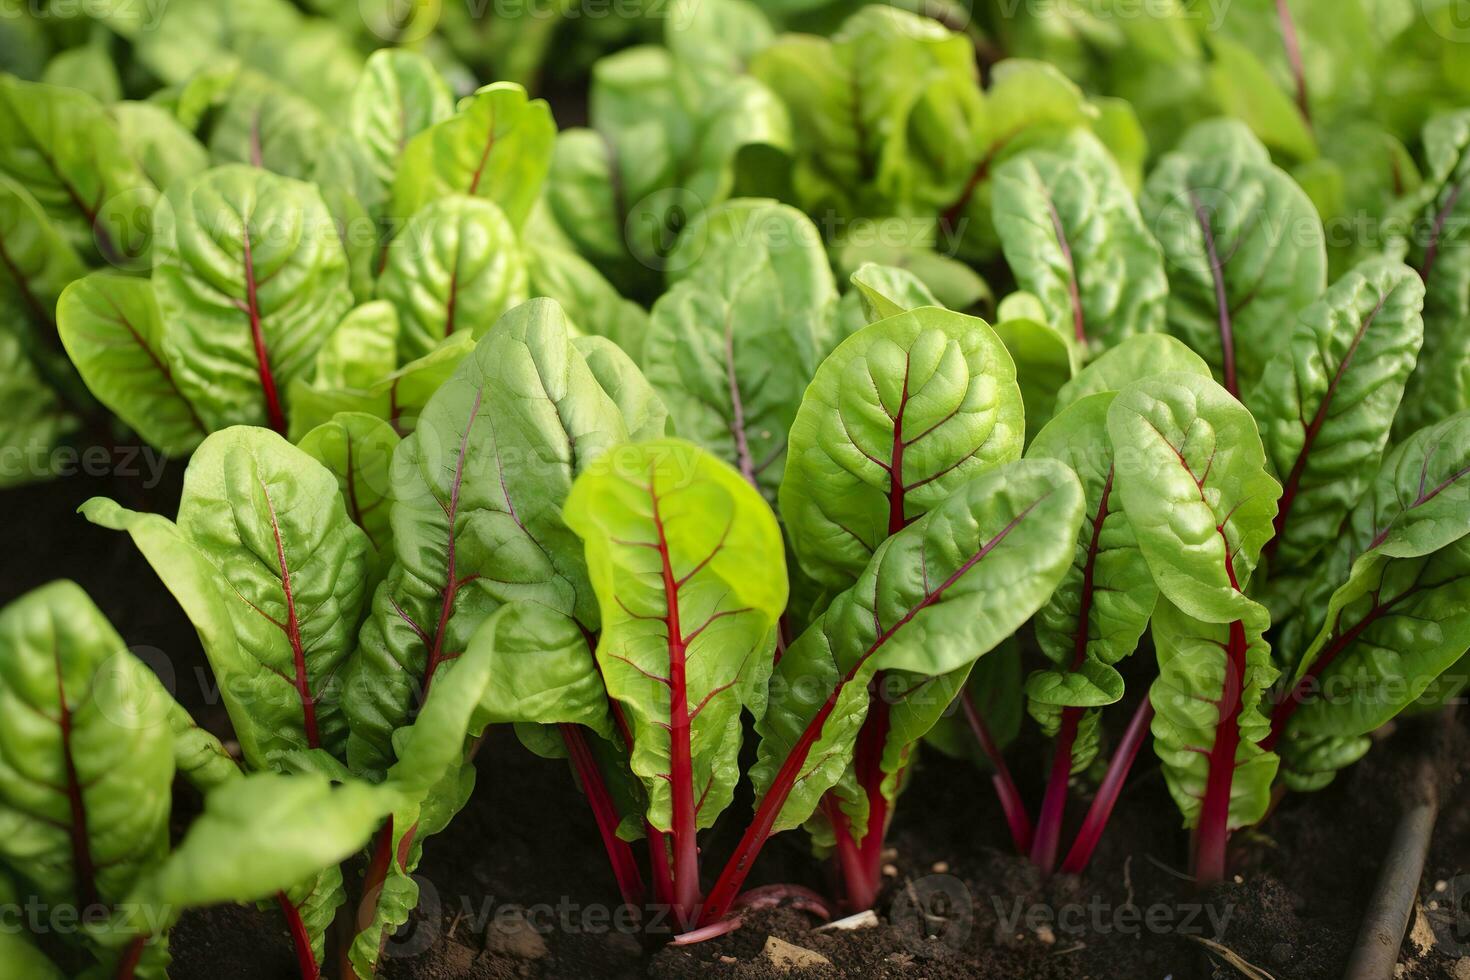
[(1441, 886), (890, 871), (515, 936), (1461, 969), (940, 867), (728, 959), (1045, 935), (786, 956)]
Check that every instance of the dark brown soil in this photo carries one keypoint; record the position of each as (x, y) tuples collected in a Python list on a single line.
[(519, 887)]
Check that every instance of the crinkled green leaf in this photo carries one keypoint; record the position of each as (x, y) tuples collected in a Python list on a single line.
[(263, 536), (111, 328), (934, 597), (497, 146), (361, 350), (250, 278), (400, 95), (358, 450), (397, 398), (1191, 472), (266, 124), (1440, 385), (732, 346), (476, 517), (1243, 248), (930, 394), (1073, 237), (60, 145), (21, 961), (86, 758), (1135, 358), (1197, 675), (689, 570), (1103, 604), (1326, 403), (1393, 627), (455, 266)]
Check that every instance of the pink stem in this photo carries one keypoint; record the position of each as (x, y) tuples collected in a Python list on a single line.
[(1053, 805), (305, 958), (1107, 793), (1214, 819), (1005, 787), (619, 854)]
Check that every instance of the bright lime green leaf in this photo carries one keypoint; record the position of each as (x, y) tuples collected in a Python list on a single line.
[(1191, 472), (455, 266), (902, 414), (164, 149), (689, 570), (358, 450), (497, 146)]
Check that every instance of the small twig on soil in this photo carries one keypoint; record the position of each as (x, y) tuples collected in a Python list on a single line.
[(1168, 870), (1244, 968)]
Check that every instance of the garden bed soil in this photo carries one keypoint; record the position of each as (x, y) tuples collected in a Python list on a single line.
[(527, 841)]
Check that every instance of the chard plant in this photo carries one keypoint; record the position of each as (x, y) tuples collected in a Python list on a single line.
[(267, 561), (86, 803)]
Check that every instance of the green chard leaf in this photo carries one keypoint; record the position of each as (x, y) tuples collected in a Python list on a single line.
[(61, 146), (399, 95), (1137, 357), (1440, 251), (1103, 604), (1202, 664), (497, 146), (689, 570), (477, 495), (273, 573), (86, 755), (1073, 237), (361, 350), (1326, 403), (1192, 476), (732, 345), (397, 398), (358, 450), (1243, 247), (935, 596), (263, 123), (112, 331), (39, 261), (250, 279), (455, 266), (901, 415)]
